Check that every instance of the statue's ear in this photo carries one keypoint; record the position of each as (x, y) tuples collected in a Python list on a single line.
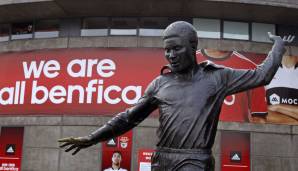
[(193, 46)]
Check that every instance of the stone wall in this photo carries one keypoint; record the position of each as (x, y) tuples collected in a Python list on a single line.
[(130, 42), (273, 147)]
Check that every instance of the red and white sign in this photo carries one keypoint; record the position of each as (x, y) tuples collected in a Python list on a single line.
[(11, 143), (235, 151), (144, 159), (122, 145), (76, 81)]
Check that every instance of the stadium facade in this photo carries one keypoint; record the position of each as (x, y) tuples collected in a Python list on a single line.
[(64, 30)]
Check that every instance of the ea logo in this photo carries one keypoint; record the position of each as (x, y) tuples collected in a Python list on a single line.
[(274, 99)]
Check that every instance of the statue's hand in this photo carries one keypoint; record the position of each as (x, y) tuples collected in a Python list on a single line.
[(78, 143), (286, 39)]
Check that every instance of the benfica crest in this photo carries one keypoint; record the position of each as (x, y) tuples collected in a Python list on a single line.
[(124, 142)]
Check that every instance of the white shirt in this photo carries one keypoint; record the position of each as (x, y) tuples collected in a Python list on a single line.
[(285, 77), (283, 89)]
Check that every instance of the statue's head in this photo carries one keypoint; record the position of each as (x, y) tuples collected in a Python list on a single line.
[(180, 43)]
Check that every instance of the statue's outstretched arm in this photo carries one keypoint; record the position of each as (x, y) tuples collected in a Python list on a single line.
[(118, 125), (237, 80)]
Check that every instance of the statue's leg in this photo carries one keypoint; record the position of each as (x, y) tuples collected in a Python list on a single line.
[(181, 160)]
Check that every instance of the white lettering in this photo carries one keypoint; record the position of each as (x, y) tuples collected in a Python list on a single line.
[(22, 93), (94, 92), (136, 90), (79, 62), (71, 89), (35, 90), (106, 65), (90, 89), (9, 100), (99, 91), (91, 62), (107, 94), (289, 101), (49, 66), (105, 68), (32, 69), (283, 100), (16, 93), (57, 94)]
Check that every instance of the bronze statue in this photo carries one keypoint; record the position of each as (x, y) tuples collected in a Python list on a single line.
[(189, 98)]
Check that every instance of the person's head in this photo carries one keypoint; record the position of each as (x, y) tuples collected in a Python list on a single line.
[(180, 43), (116, 157), (29, 28), (290, 61), (295, 60), (290, 58)]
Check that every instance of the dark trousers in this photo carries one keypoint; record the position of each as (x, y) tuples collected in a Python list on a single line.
[(167, 159)]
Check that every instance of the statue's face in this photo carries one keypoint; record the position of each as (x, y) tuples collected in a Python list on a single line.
[(178, 54)]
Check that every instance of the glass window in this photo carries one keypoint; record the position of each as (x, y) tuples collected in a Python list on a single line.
[(4, 32), (207, 28), (124, 26), (70, 27), (96, 26), (22, 30), (235, 30), (153, 26), (150, 32), (47, 29), (285, 30), (260, 31)]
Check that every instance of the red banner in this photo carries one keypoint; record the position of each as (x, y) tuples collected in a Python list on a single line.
[(144, 159), (11, 143), (116, 153), (108, 80), (76, 81), (235, 151)]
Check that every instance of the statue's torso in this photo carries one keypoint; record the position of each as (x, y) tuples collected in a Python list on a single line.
[(189, 109)]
